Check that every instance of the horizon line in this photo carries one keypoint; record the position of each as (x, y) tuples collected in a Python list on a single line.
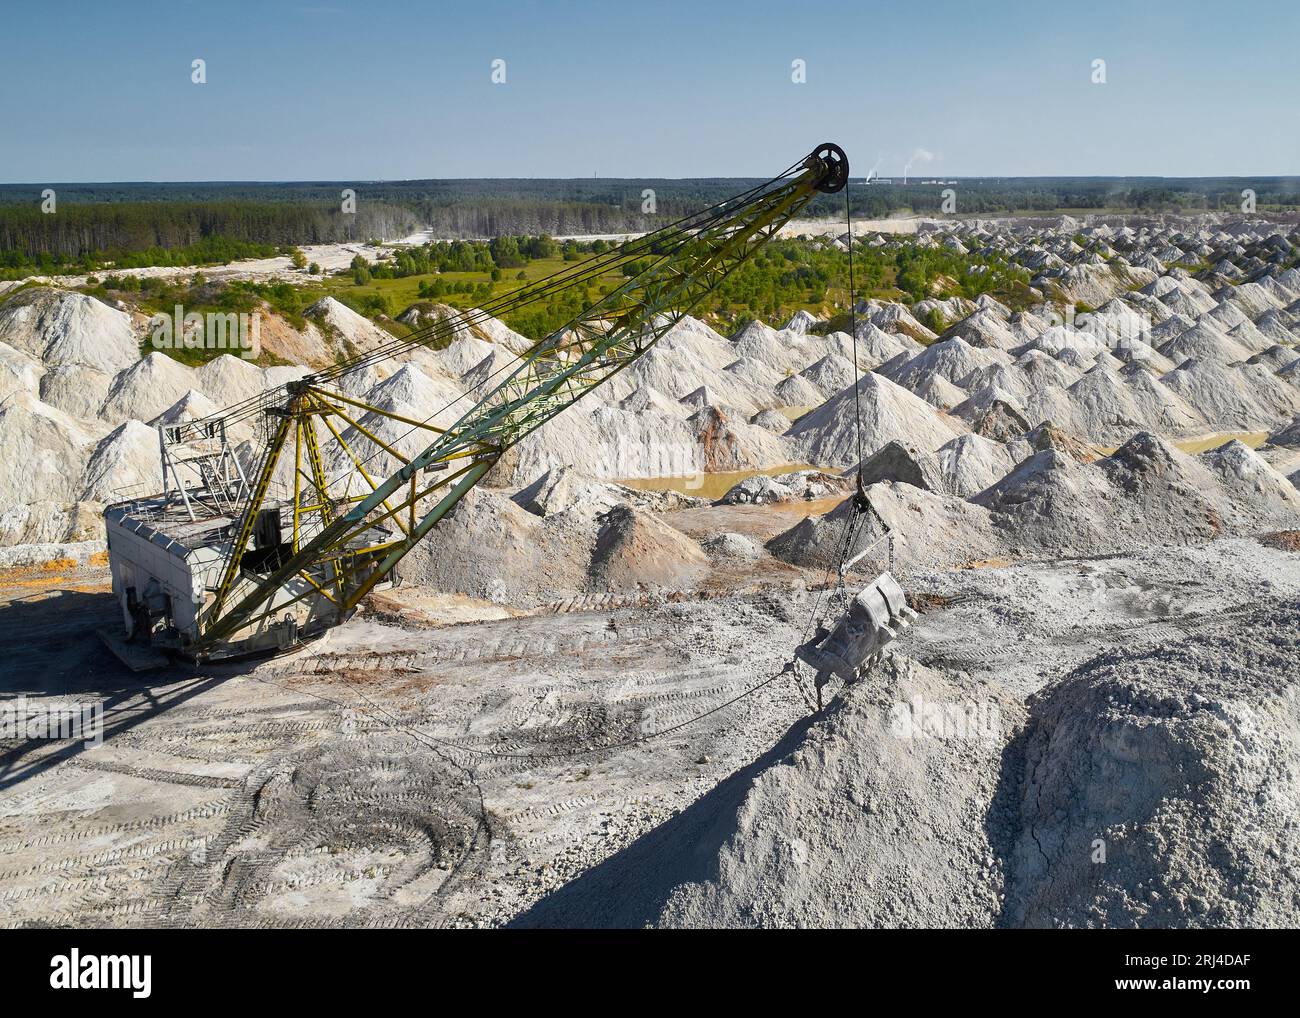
[(852, 180)]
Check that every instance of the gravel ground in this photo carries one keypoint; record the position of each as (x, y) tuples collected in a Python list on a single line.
[(488, 772)]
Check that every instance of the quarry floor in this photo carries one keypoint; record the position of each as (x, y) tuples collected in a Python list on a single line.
[(401, 772)]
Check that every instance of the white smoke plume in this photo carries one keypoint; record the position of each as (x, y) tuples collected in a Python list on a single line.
[(919, 155)]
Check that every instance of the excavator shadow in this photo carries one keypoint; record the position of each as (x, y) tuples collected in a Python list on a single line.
[(55, 669)]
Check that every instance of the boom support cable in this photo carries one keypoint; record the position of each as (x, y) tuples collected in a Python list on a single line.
[(729, 208), (600, 341), (531, 293)]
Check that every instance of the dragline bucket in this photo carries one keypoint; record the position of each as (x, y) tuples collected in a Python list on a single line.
[(874, 618)]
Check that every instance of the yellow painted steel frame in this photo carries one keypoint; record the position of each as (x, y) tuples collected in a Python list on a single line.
[(314, 504)]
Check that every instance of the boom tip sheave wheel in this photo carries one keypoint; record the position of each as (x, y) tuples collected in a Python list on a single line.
[(835, 166)]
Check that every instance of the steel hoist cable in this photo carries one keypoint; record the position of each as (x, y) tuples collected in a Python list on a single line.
[(853, 329), (861, 505), (861, 502)]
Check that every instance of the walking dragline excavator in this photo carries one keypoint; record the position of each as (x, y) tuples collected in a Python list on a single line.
[(239, 557)]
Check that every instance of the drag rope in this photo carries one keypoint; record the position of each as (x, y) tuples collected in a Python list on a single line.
[(433, 742)]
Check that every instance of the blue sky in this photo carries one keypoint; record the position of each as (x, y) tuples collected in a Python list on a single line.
[(335, 90)]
